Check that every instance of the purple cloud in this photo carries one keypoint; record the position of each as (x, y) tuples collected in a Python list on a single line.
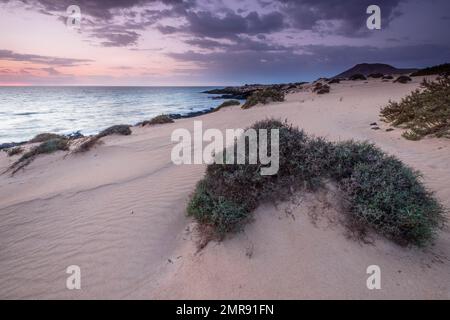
[(46, 60)]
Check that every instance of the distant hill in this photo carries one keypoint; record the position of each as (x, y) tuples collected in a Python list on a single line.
[(370, 68), (440, 69)]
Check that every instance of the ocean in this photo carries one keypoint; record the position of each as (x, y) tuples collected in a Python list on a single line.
[(27, 111)]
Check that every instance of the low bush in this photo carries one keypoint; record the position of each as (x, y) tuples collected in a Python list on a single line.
[(435, 70), (375, 75), (46, 147), (120, 129), (42, 137), (403, 79), (384, 194), (388, 196), (425, 111), (86, 144), (388, 77), (161, 119), (263, 96), (323, 89), (227, 103), (317, 86)]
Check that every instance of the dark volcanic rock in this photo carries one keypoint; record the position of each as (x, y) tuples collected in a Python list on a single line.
[(372, 68), (74, 135), (11, 145)]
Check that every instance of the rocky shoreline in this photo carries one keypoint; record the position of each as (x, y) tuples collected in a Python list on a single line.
[(243, 92)]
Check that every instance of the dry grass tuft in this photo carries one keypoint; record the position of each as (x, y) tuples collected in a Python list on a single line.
[(424, 112)]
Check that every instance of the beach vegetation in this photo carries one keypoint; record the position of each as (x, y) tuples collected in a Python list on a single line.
[(263, 96), (376, 75), (86, 144), (321, 88), (380, 193), (120, 129), (228, 103), (425, 112), (47, 147), (442, 69), (357, 77), (388, 196), (403, 79), (14, 151), (161, 119), (42, 137)]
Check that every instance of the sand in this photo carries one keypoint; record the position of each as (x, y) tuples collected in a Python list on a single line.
[(118, 212)]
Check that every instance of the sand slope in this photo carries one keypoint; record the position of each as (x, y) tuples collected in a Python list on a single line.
[(119, 213)]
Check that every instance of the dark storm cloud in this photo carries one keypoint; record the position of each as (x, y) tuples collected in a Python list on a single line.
[(320, 58), (98, 9), (46, 60), (116, 36), (307, 14), (98, 16), (257, 37), (223, 23), (239, 44), (206, 24)]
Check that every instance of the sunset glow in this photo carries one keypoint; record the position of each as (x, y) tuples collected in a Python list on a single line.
[(211, 42)]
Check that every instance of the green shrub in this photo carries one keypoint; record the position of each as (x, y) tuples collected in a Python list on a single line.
[(347, 154), (263, 96), (220, 213), (439, 69), (49, 146), (387, 196), (324, 89), (227, 103), (46, 147), (320, 88), (423, 112), (161, 119), (403, 79), (384, 194), (120, 129), (42, 137)]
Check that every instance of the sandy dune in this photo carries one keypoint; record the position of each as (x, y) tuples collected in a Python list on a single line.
[(118, 212)]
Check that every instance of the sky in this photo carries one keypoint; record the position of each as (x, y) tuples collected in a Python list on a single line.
[(212, 42)]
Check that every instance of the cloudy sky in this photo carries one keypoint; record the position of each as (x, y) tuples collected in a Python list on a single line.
[(212, 42)]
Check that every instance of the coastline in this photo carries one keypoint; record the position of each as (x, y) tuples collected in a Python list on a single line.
[(240, 93), (90, 209)]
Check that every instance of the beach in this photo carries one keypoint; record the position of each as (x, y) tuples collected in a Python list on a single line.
[(119, 212)]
